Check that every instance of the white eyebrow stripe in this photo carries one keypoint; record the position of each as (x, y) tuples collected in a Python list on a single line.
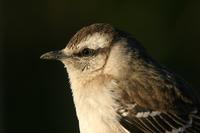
[(95, 41)]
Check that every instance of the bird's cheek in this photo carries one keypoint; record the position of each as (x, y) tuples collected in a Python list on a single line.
[(99, 62)]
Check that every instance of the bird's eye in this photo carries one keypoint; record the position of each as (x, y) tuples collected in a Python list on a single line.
[(87, 52)]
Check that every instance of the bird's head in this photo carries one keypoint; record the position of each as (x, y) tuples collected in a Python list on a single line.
[(96, 48)]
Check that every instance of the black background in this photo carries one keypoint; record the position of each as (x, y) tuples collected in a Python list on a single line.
[(35, 95)]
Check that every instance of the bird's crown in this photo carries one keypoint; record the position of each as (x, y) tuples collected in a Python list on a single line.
[(93, 32)]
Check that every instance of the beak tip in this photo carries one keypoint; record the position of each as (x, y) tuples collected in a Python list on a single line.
[(41, 57), (44, 57), (47, 56)]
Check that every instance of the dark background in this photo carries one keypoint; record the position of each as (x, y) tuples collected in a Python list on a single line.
[(35, 95)]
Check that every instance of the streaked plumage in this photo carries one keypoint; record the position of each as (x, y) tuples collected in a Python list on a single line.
[(118, 88)]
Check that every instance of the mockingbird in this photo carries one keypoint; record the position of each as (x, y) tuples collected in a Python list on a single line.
[(118, 88)]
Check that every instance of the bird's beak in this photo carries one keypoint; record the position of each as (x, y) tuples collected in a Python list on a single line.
[(54, 55)]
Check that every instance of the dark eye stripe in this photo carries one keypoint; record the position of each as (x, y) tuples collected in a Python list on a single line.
[(86, 52)]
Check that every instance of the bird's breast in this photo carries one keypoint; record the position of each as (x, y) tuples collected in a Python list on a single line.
[(95, 107)]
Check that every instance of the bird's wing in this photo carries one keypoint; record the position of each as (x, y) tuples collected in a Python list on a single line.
[(158, 106), (137, 119)]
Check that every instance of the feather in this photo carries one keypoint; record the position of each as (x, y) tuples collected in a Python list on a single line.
[(160, 122)]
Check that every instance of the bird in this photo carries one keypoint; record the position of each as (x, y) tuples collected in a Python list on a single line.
[(118, 87)]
